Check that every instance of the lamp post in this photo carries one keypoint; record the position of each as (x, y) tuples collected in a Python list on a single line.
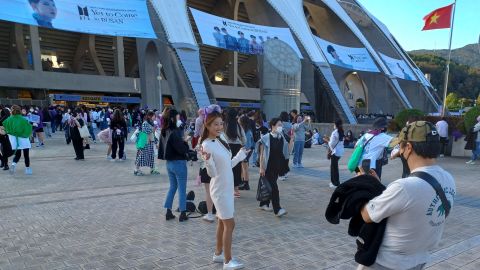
[(159, 78)]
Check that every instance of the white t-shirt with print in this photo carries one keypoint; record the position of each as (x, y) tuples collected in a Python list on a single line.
[(374, 149), (415, 219)]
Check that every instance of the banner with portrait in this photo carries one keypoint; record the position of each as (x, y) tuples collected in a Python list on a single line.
[(128, 18), (238, 36), (347, 57), (398, 68)]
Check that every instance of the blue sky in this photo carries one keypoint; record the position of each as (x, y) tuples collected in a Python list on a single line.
[(404, 18)]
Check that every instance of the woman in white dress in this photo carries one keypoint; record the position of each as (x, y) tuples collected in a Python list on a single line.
[(219, 163)]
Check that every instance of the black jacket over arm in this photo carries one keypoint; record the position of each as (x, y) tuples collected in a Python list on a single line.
[(347, 202), (176, 148)]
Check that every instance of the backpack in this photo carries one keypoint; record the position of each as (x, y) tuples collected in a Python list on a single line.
[(191, 208), (202, 208)]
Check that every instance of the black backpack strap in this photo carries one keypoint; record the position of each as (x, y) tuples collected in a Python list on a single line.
[(436, 186)]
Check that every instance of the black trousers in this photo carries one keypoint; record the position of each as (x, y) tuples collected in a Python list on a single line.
[(26, 156), (334, 175), (272, 178), (378, 169), (78, 147), (120, 144), (444, 143)]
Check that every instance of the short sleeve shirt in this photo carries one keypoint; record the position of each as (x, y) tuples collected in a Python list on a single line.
[(415, 215), (374, 149)]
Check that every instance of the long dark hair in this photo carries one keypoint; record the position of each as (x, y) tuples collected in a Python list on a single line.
[(169, 121), (231, 125), (341, 132), (245, 123), (118, 116)]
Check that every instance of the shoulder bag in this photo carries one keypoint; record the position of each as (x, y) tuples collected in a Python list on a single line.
[(437, 187)]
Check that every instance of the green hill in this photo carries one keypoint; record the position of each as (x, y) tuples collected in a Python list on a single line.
[(468, 55), (464, 80)]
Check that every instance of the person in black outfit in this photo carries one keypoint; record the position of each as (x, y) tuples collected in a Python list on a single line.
[(5, 147), (119, 131), (273, 152), (75, 123)]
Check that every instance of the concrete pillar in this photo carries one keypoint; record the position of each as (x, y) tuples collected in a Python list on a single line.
[(36, 53), (119, 56), (281, 78)]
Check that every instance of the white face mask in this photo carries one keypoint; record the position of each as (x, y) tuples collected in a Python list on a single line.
[(179, 123), (279, 130)]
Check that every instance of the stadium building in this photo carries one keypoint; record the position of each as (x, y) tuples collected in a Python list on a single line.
[(341, 62)]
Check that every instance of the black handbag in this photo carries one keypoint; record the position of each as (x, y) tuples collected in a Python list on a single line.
[(264, 190)]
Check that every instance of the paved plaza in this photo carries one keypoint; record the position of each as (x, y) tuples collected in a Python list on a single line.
[(96, 215)]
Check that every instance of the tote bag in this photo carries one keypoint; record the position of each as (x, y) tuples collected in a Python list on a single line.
[(84, 133), (357, 155), (141, 140)]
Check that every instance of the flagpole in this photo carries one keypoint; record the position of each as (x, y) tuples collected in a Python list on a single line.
[(447, 70)]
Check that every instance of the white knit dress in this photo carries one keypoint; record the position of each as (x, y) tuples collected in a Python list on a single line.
[(219, 168)]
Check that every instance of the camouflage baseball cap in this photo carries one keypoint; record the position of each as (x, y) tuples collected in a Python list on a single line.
[(419, 131)]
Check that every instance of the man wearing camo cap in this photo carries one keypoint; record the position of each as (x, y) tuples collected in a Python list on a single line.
[(415, 208)]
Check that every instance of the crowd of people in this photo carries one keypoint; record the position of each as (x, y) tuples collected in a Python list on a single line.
[(227, 142)]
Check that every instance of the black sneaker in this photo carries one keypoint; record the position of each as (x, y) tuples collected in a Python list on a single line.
[(183, 217), (169, 215)]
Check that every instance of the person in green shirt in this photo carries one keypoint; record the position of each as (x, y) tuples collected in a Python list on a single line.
[(19, 131)]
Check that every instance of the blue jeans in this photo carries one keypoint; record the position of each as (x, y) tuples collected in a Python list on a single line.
[(92, 133), (177, 173), (476, 151), (298, 152)]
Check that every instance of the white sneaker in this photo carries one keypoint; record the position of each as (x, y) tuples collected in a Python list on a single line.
[(442, 155), (332, 185), (286, 176), (470, 162), (109, 157), (28, 171), (209, 218), (282, 178), (281, 213), (300, 166), (266, 208), (13, 167), (218, 258), (233, 264)]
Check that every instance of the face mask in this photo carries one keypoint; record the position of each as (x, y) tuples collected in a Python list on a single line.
[(405, 163), (31, 110), (179, 123), (279, 130)]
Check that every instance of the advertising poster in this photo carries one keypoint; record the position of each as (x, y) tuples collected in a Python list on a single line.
[(347, 57), (398, 68), (237, 36), (127, 18)]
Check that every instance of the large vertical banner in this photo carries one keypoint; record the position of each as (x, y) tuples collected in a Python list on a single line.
[(347, 57), (398, 68), (237, 36), (127, 18)]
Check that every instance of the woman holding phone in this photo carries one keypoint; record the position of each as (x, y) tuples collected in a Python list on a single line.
[(219, 163)]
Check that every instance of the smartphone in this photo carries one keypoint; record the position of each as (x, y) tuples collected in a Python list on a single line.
[(366, 166)]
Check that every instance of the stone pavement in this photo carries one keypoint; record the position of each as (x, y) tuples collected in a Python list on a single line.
[(96, 215)]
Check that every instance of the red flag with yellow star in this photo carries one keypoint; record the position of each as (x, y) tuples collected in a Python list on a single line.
[(439, 18)]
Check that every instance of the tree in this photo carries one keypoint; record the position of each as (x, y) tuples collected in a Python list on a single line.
[(453, 103)]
